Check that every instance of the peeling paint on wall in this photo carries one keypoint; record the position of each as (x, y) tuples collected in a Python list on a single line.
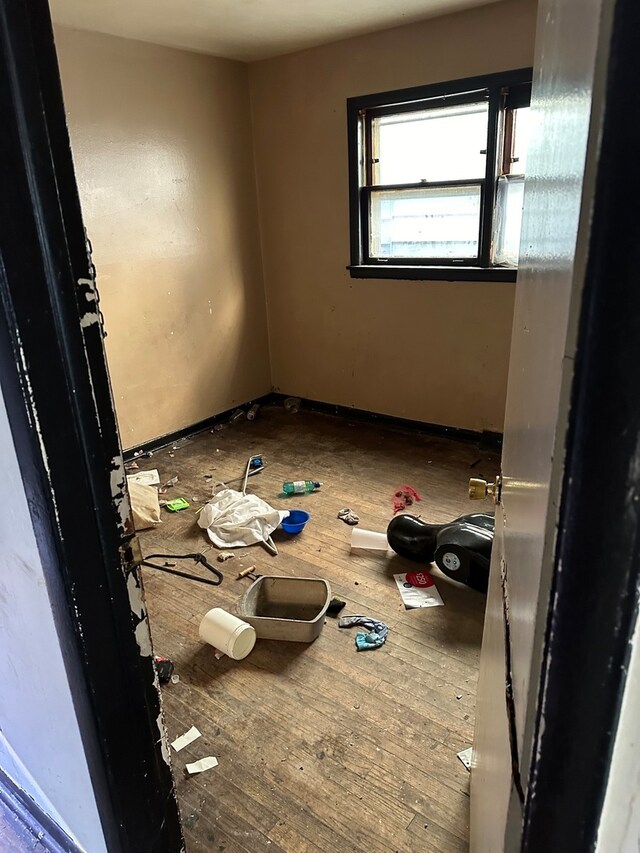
[(91, 312), (143, 639), (164, 743), (120, 495), (139, 611)]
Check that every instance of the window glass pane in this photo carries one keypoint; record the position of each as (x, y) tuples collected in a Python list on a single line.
[(439, 144), (521, 135), (438, 222), (508, 219)]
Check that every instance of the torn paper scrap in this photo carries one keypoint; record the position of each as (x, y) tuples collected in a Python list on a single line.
[(202, 764), (418, 590), (185, 739), (146, 478), (465, 757)]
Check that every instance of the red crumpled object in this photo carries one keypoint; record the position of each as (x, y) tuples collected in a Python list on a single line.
[(403, 497)]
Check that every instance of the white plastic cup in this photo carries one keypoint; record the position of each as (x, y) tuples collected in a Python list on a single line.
[(369, 540), (226, 632)]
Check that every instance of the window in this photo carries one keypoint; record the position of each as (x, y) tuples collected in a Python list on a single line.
[(437, 179)]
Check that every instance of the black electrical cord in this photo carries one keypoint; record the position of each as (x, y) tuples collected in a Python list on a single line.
[(199, 558)]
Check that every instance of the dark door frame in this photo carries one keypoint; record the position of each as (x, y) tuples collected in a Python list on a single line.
[(56, 388)]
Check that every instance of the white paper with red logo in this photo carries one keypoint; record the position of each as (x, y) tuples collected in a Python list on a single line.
[(418, 590)]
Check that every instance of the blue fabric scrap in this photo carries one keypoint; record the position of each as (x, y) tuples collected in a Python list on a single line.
[(377, 631)]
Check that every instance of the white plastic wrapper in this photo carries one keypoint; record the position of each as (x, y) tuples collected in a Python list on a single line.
[(418, 590), (234, 520)]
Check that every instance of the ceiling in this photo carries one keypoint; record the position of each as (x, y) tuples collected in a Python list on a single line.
[(246, 29)]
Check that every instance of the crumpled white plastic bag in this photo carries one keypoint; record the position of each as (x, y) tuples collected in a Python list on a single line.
[(233, 520)]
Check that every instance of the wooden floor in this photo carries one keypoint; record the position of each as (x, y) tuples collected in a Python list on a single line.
[(321, 747)]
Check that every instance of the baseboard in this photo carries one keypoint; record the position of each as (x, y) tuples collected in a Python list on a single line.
[(39, 824), (485, 439), (193, 429)]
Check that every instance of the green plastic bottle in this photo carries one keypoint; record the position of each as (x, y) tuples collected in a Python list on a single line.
[(299, 487)]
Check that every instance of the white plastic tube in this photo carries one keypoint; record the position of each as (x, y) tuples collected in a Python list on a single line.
[(369, 540), (226, 632)]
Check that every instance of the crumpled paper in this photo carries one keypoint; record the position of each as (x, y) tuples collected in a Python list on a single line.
[(233, 520)]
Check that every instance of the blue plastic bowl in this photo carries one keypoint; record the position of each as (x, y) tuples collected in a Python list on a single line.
[(295, 521)]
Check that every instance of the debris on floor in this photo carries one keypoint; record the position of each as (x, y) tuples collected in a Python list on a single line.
[(234, 520), (466, 757), (417, 589), (322, 550), (145, 507), (143, 453), (185, 739), (226, 632), (253, 412), (164, 668), (368, 540), (202, 764), (377, 631), (145, 478), (237, 416), (300, 487), (199, 558), (168, 485), (335, 606), (295, 522), (177, 505), (286, 608), (348, 516), (292, 405), (249, 572), (254, 466), (131, 466), (403, 497), (461, 548)]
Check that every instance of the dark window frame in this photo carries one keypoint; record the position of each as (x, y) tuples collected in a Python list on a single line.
[(504, 91)]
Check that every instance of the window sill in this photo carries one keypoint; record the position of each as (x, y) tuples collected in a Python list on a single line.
[(497, 274)]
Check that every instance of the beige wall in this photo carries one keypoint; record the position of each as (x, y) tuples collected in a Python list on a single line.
[(432, 351), (162, 146), (162, 143)]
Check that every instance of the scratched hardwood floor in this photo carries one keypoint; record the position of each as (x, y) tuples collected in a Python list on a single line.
[(320, 747)]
